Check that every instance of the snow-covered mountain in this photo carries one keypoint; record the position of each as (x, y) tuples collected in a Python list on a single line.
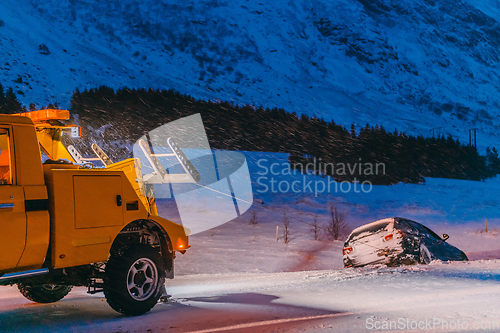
[(417, 65)]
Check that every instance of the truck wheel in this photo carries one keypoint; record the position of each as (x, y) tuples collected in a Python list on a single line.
[(135, 279), (44, 293)]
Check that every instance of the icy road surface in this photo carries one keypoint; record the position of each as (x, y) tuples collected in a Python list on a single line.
[(345, 300)]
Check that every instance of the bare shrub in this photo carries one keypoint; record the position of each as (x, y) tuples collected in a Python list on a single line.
[(286, 229), (315, 228), (253, 218), (337, 226)]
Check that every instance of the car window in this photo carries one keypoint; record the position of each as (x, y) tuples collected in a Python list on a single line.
[(416, 228), (406, 226), (5, 161), (430, 233)]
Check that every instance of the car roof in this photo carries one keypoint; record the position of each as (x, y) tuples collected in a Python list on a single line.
[(372, 224)]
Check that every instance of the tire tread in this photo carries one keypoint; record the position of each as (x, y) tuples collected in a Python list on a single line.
[(116, 271), (39, 294)]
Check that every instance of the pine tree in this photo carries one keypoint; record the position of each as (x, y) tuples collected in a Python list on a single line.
[(11, 104), (2, 99), (134, 112)]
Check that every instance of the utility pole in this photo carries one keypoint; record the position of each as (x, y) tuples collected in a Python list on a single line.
[(437, 129), (473, 131), (475, 142)]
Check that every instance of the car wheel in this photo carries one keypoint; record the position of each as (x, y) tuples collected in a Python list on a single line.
[(44, 293), (135, 280), (425, 255)]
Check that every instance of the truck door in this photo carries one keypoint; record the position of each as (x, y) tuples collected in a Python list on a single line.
[(12, 213)]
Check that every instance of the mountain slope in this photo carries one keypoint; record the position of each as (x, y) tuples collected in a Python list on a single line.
[(415, 65)]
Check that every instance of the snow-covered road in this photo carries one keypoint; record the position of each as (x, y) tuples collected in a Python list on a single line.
[(460, 296)]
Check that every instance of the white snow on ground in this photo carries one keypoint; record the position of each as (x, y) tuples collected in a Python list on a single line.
[(237, 273), (344, 300), (238, 278), (458, 208)]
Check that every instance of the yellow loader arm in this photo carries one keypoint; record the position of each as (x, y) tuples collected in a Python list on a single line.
[(49, 130)]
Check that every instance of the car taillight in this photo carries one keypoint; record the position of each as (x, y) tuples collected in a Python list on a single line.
[(388, 237), (346, 250)]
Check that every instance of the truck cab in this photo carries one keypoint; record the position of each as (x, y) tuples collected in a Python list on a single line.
[(64, 224), (24, 215)]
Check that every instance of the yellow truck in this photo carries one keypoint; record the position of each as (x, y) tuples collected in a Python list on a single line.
[(64, 224)]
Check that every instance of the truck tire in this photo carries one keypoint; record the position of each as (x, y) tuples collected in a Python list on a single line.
[(135, 279), (44, 293)]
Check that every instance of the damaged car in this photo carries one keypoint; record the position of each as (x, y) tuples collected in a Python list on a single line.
[(397, 241)]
